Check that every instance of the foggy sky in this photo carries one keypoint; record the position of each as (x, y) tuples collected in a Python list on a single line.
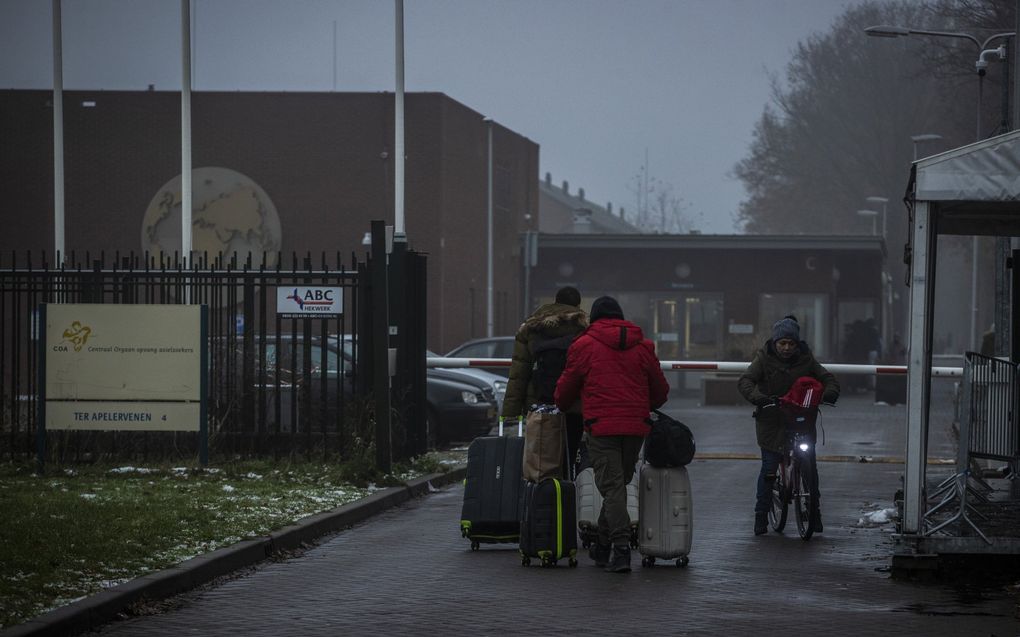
[(596, 83)]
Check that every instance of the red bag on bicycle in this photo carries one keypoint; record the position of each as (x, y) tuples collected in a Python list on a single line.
[(805, 393)]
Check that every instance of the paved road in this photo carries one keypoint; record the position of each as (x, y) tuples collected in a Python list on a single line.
[(855, 427), (409, 572)]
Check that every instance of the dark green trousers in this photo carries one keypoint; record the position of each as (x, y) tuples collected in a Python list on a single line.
[(613, 459)]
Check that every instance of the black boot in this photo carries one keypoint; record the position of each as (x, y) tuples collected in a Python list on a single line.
[(620, 562), (761, 523), (816, 521), (600, 554)]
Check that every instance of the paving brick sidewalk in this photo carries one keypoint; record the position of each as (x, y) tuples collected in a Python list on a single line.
[(407, 571)]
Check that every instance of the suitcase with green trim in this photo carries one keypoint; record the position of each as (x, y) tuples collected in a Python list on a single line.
[(492, 491), (549, 522)]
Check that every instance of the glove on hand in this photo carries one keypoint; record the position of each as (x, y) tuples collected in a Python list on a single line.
[(830, 397)]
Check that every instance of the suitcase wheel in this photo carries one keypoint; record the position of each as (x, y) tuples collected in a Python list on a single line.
[(648, 561), (682, 562), (474, 545), (525, 560), (548, 562), (572, 563)]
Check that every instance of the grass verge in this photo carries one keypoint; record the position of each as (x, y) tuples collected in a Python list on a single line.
[(74, 531)]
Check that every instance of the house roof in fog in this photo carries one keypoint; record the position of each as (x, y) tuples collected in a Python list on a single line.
[(562, 212)]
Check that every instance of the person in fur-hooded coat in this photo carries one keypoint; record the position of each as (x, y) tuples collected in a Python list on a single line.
[(562, 320), (552, 326)]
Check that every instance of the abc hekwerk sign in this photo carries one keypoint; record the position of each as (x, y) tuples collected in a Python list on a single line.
[(309, 302)]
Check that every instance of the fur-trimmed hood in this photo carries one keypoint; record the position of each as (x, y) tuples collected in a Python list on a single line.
[(553, 317), (551, 321)]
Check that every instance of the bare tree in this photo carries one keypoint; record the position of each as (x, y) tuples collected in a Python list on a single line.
[(660, 210), (839, 126)]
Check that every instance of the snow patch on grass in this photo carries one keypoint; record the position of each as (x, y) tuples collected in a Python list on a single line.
[(130, 469)]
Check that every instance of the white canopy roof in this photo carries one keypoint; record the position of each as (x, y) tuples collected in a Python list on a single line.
[(986, 171)]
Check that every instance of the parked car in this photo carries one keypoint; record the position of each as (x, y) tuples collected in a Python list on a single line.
[(459, 406), (491, 347), (497, 382)]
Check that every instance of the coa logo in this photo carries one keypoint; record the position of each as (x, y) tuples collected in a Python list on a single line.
[(77, 335)]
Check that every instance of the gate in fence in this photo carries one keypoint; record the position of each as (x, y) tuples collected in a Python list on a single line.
[(281, 380)]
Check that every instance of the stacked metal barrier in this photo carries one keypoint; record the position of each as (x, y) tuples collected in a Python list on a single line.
[(988, 428)]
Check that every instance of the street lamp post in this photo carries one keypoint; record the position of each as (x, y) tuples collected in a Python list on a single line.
[(887, 311), (488, 234), (980, 66), (923, 137), (885, 222), (874, 217)]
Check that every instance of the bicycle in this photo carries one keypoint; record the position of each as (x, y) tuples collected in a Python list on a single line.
[(795, 477)]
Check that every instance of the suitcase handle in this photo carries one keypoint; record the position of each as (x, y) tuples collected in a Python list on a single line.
[(520, 426)]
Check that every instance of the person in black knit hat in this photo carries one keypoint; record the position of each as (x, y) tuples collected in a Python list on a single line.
[(783, 359), (613, 369)]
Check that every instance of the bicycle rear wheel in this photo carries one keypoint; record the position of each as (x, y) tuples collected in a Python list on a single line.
[(780, 502), (803, 503)]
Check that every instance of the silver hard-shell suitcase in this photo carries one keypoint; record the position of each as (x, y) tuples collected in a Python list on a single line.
[(666, 516), (589, 505)]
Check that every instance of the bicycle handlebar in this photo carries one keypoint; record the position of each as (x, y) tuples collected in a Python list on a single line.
[(780, 404)]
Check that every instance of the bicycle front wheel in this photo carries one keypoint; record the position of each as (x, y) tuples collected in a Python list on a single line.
[(780, 502), (803, 503)]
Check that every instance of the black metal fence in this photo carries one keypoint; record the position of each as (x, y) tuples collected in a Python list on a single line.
[(277, 385)]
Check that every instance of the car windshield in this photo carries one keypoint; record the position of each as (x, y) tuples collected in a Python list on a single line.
[(499, 347), (291, 356)]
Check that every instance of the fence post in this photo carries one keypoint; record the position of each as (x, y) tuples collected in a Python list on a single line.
[(398, 342), (248, 359), (380, 349), (414, 343)]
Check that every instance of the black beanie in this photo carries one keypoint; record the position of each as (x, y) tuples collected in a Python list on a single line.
[(605, 307)]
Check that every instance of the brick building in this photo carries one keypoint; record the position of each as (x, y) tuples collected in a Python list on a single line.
[(320, 163)]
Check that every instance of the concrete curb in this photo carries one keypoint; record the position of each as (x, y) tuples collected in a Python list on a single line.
[(96, 610)]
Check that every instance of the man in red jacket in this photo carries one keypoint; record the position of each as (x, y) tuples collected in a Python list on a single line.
[(613, 369)]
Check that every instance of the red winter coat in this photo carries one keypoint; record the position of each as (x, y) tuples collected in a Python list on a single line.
[(614, 370)]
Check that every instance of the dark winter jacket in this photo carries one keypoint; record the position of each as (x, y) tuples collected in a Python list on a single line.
[(768, 377), (550, 321), (615, 372)]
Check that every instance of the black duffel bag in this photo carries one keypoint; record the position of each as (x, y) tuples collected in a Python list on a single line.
[(670, 443)]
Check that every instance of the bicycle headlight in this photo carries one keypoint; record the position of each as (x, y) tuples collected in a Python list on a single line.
[(804, 446), (469, 397)]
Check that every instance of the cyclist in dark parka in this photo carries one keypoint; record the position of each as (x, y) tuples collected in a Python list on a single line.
[(783, 359)]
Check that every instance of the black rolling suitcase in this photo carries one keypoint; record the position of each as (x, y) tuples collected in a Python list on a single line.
[(492, 491), (549, 522)]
